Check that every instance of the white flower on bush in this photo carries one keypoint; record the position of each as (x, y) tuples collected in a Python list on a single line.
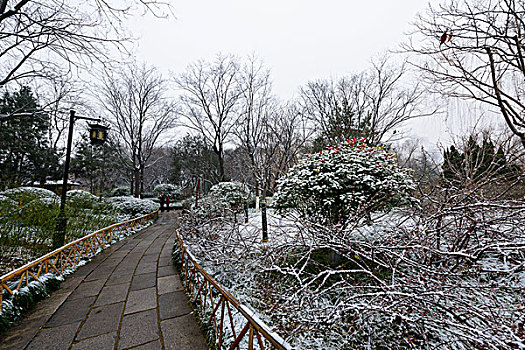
[(232, 194), (133, 206), (342, 181)]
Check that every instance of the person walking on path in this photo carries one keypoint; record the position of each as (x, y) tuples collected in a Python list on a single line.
[(167, 202), (162, 199)]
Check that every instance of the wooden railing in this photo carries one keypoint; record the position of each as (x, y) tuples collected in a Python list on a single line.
[(234, 326), (67, 256)]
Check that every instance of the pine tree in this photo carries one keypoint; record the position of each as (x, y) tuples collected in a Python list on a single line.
[(193, 157), (25, 152), (96, 163), (477, 163)]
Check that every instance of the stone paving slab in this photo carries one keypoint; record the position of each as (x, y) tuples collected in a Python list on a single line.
[(101, 320), (166, 271), (71, 311), (103, 341), (129, 296), (179, 333), (112, 294), (173, 305), (154, 345), (140, 300), (54, 338), (139, 328), (169, 284), (87, 289), (143, 281)]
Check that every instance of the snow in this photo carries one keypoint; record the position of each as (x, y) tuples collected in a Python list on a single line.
[(386, 303)]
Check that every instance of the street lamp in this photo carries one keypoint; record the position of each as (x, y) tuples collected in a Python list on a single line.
[(98, 134)]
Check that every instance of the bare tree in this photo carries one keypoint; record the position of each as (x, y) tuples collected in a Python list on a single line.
[(374, 103), (473, 49), (49, 38), (210, 101), (142, 114), (252, 127), (60, 95)]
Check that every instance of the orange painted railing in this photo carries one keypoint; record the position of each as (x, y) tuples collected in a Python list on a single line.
[(211, 297), (68, 256)]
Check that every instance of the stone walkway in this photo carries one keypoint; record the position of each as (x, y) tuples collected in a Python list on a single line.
[(127, 297)]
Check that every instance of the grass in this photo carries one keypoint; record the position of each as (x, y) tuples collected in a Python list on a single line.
[(28, 220)]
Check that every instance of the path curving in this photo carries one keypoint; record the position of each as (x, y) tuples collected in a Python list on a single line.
[(127, 297)]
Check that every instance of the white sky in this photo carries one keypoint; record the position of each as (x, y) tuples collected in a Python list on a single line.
[(299, 40)]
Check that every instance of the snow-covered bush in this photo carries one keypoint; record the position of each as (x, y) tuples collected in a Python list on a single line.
[(132, 206), (390, 288), (28, 220), (84, 199), (6, 204), (27, 194), (231, 194), (173, 191), (352, 178), (120, 191)]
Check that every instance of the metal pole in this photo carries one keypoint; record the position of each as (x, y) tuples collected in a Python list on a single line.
[(197, 192), (264, 222), (60, 229), (245, 211)]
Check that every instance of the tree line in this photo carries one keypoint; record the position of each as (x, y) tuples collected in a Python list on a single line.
[(235, 127)]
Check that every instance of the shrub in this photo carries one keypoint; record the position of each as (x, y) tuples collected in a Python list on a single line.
[(24, 195), (84, 199), (28, 218), (173, 191), (231, 194), (120, 191), (340, 182), (132, 206)]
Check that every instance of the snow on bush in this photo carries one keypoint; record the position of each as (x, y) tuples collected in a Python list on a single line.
[(81, 195), (173, 191), (6, 203), (132, 206), (352, 178), (27, 194), (120, 191), (84, 199), (28, 220), (409, 280), (231, 194)]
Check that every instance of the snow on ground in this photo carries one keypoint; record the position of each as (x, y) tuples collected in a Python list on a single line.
[(388, 289)]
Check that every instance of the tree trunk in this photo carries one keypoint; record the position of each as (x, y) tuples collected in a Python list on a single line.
[(137, 182), (220, 154), (142, 181)]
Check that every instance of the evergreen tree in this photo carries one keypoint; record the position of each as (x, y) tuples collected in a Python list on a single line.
[(477, 162), (25, 151), (193, 157), (96, 163), (452, 163)]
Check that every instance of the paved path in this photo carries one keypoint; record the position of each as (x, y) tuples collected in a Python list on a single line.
[(127, 297)]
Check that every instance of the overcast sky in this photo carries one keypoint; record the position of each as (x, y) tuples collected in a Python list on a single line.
[(299, 40)]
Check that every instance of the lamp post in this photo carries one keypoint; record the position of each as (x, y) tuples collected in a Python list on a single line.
[(264, 221), (96, 138)]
